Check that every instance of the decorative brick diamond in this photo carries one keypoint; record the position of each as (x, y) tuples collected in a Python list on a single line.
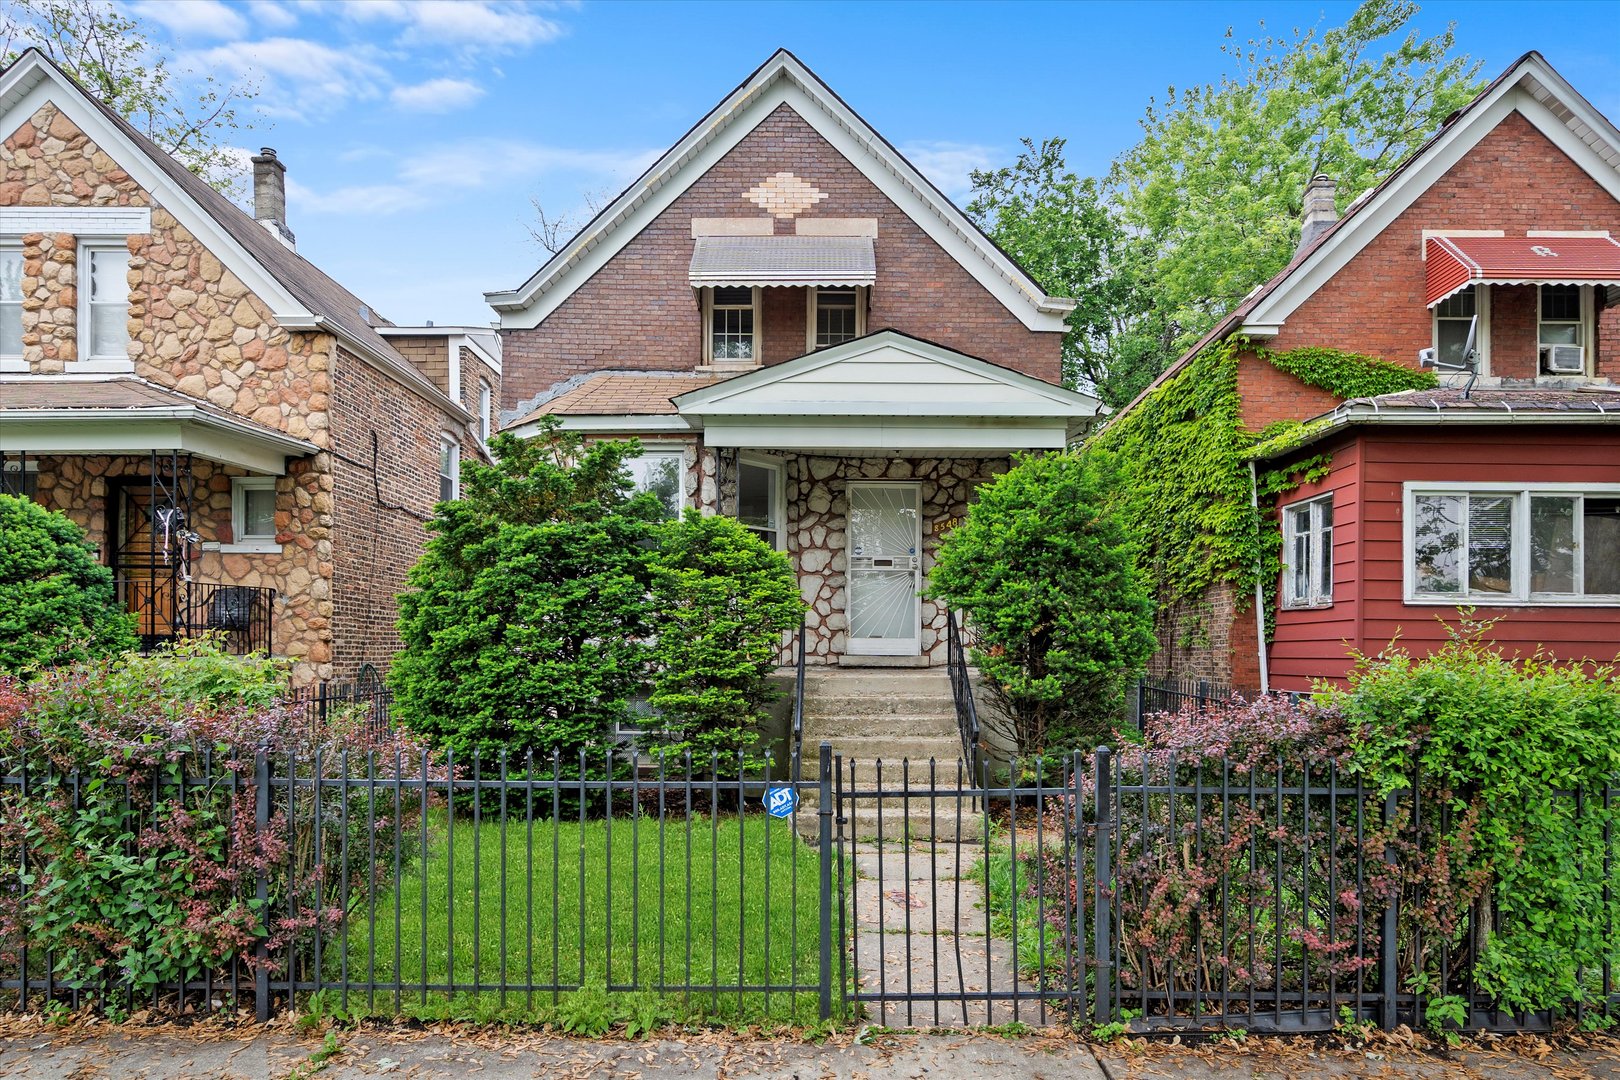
[(784, 195)]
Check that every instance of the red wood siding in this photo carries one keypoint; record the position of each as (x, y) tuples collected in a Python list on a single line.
[(1368, 478)]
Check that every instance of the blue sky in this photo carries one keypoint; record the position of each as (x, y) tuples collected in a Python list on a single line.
[(417, 134)]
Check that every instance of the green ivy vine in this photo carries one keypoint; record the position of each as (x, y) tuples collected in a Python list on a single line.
[(1183, 457)]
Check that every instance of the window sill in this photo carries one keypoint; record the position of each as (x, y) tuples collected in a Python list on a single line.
[(254, 547), (13, 365), (1318, 605), (1513, 602), (99, 367)]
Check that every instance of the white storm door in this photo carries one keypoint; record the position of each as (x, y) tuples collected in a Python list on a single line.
[(885, 569)]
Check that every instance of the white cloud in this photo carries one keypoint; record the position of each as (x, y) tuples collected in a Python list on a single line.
[(273, 15), (300, 77), (472, 163), (950, 164), (195, 18), (470, 26), (437, 95), (356, 199)]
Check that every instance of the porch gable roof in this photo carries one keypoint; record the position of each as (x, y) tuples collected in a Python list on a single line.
[(889, 390)]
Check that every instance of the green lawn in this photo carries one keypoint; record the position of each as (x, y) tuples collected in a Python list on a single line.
[(647, 923)]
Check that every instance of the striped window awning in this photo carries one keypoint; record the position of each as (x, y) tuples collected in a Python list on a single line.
[(1453, 263), (762, 261)]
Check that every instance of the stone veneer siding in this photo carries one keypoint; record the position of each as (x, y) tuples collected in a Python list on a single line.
[(639, 312), (197, 329)]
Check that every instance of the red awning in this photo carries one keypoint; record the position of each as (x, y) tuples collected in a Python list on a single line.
[(1456, 262)]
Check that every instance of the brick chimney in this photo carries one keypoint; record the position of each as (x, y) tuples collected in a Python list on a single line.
[(270, 195), (1319, 212)]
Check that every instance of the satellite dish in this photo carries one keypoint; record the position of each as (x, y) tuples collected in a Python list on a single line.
[(1467, 359)]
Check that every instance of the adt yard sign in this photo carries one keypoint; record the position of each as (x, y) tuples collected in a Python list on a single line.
[(780, 801)]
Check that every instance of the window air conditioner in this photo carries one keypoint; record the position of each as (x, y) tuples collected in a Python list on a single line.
[(1564, 359)]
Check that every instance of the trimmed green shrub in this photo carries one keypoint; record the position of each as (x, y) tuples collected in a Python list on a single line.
[(722, 598), (1045, 570), (1520, 752), (523, 624), (57, 604)]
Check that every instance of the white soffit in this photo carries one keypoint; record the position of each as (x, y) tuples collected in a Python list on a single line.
[(1533, 90), (782, 80)]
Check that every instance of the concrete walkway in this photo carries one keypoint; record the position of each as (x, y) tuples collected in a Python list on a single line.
[(278, 1054)]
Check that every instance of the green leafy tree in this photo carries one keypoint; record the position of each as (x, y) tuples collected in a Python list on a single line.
[(190, 115), (57, 603), (1045, 570), (523, 626), (1061, 228), (1215, 188), (722, 599)]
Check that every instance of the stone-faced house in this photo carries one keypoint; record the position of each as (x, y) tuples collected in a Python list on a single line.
[(251, 448), (1492, 257), (805, 333)]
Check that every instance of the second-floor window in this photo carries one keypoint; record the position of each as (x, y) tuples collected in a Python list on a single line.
[(104, 303), (733, 315), (1452, 318), (1561, 333), (11, 303), (835, 317), (486, 409), (449, 469)]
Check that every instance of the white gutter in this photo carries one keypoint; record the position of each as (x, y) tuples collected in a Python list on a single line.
[(188, 413), (1259, 590), (1343, 417)]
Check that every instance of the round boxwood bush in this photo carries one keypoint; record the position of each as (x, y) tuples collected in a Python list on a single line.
[(57, 604)]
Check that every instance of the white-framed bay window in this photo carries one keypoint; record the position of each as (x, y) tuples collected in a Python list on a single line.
[(11, 298), (1308, 553), (661, 471), (833, 316), (1509, 543), (762, 498), (103, 306), (731, 318), (253, 514)]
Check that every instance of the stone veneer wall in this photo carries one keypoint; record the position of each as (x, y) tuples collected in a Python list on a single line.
[(817, 506)]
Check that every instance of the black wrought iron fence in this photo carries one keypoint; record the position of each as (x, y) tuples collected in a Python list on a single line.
[(1132, 888), (369, 699)]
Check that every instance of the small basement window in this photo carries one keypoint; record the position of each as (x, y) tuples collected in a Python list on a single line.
[(1308, 553)]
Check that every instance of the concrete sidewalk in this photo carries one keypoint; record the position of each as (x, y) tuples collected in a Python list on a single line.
[(494, 1055)]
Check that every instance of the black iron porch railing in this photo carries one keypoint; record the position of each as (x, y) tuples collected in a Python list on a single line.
[(796, 736), (168, 610), (967, 711)]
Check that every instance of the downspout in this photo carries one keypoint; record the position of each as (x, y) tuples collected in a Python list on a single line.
[(1259, 589)]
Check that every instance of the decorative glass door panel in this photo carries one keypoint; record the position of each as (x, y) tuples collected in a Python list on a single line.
[(885, 569)]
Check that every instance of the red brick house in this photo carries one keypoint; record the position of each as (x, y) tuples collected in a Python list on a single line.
[(252, 449), (1499, 490), (805, 333)]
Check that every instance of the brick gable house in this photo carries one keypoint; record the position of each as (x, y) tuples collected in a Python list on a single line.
[(804, 333), (251, 448), (1490, 256)]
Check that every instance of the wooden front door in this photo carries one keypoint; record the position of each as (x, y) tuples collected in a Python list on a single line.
[(146, 583)]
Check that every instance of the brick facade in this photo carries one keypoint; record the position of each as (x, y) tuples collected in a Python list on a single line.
[(196, 330), (640, 313)]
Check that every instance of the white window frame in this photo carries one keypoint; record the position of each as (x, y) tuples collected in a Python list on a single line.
[(13, 363), (1583, 328), (241, 542), (663, 450), (812, 302), (1520, 594), (708, 329), (1482, 331), (451, 443), (85, 361), (778, 470), (1320, 554), (486, 402)]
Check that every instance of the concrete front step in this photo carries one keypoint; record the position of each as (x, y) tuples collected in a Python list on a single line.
[(867, 750), (841, 705), (862, 822), (900, 725), (869, 681)]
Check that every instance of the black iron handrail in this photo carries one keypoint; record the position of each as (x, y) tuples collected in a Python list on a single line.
[(967, 710), (796, 745), (169, 609)]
